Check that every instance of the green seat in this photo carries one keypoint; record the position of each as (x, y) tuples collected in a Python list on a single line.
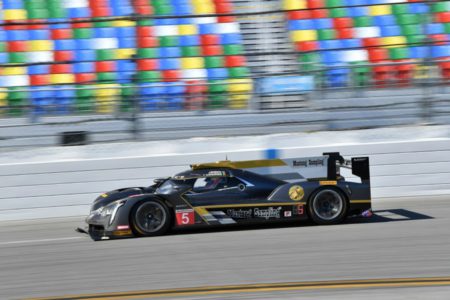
[(338, 12), (105, 54), (309, 61), (214, 61), (411, 29), (238, 72), (17, 57), (127, 93), (147, 53), (361, 74), (107, 77), (398, 53), (233, 49), (82, 33), (334, 3), (149, 76), (168, 41), (84, 102), (55, 9), (189, 51), (407, 19), (364, 21), (326, 34), (415, 40), (17, 100), (399, 9)]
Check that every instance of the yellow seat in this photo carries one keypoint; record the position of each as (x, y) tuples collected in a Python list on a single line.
[(123, 23), (239, 92), (394, 41), (380, 10), (203, 7), (3, 100), (187, 29), (107, 96), (192, 63), (61, 78), (40, 45), (294, 4), (14, 14), (14, 71), (303, 35), (421, 72), (125, 53)]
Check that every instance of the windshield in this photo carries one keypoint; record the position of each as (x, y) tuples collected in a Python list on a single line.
[(169, 185)]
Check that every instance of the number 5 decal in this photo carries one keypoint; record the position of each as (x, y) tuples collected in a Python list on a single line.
[(185, 217)]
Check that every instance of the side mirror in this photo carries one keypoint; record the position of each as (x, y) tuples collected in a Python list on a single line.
[(241, 187)]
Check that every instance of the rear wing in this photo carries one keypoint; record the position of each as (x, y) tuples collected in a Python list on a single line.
[(358, 165)]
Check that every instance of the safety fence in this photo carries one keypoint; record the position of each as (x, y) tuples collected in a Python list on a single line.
[(411, 169)]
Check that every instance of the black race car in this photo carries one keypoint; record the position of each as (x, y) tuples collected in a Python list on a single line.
[(241, 192)]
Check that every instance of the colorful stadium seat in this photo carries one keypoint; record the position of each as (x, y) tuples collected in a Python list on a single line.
[(376, 31), (104, 54)]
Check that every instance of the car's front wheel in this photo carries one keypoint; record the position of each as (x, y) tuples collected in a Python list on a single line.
[(150, 218), (327, 206)]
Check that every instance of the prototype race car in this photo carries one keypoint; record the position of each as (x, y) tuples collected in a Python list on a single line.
[(236, 192)]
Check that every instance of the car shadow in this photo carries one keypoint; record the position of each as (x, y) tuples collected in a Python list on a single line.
[(379, 216)]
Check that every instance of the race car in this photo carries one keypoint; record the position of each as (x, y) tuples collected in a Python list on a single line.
[(236, 192)]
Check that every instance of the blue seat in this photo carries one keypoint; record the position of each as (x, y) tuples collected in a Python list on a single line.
[(79, 12), (128, 42), (217, 73), (4, 58), (435, 28), (125, 66), (84, 67), (300, 25), (359, 11), (17, 35), (41, 98), (83, 44), (124, 77), (184, 21), (351, 43), (175, 88), (165, 21), (418, 8), (392, 30), (166, 52), (419, 52), (64, 99), (330, 57), (230, 38), (183, 9), (330, 44), (169, 64), (152, 96), (337, 77), (62, 25), (104, 32), (122, 10), (440, 51), (209, 28), (61, 45), (3, 35), (85, 55), (189, 40), (125, 32), (39, 34), (384, 20), (38, 69), (12, 4), (324, 23)]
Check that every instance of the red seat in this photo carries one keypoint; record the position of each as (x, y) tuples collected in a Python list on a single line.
[(383, 75)]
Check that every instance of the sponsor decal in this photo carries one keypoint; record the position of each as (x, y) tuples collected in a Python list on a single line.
[(267, 213), (300, 209), (288, 214), (104, 195), (239, 213), (215, 174), (308, 163), (296, 193), (185, 217), (328, 182), (123, 227)]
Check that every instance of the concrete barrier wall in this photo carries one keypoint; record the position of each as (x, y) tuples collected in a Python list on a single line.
[(67, 188)]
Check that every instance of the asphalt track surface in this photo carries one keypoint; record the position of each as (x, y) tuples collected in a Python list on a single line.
[(408, 239)]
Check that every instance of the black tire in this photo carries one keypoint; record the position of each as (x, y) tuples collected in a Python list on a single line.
[(327, 206), (150, 218)]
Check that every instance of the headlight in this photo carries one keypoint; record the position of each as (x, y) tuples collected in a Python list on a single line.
[(110, 209)]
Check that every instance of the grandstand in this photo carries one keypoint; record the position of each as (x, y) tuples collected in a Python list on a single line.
[(74, 56)]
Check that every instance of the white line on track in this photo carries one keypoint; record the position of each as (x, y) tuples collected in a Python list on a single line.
[(40, 241)]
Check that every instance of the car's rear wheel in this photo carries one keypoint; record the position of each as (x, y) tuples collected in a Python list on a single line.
[(150, 218), (327, 206)]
